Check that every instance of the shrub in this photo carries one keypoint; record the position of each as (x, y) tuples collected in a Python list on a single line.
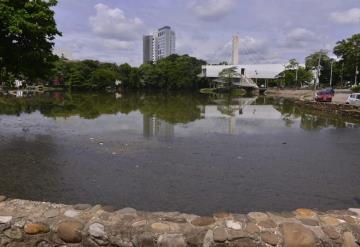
[(356, 88)]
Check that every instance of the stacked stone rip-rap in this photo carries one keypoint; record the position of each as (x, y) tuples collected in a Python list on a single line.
[(27, 223)]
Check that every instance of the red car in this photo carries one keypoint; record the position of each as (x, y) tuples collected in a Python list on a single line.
[(323, 96)]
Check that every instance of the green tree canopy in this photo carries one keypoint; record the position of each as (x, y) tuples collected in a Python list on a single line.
[(295, 75), (312, 62), (348, 50), (27, 33)]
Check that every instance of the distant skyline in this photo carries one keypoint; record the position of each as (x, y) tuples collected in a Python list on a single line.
[(270, 31)]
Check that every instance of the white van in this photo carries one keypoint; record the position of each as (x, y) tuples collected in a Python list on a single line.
[(353, 99)]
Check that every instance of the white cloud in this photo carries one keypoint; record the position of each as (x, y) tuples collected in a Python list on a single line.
[(212, 9), (351, 16), (250, 45), (113, 44), (299, 38), (113, 23), (300, 34), (87, 46)]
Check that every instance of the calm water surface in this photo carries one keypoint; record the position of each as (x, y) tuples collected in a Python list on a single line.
[(177, 152)]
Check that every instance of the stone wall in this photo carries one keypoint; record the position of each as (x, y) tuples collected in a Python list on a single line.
[(343, 110), (26, 223)]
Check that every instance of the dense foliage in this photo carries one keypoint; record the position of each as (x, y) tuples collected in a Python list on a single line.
[(87, 74), (312, 62), (27, 33), (348, 51), (295, 75), (344, 69), (173, 72)]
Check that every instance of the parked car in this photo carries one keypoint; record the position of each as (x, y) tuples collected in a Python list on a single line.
[(324, 96), (353, 99), (329, 90)]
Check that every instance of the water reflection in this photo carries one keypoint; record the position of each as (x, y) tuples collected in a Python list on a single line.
[(154, 127), (162, 112), (175, 152)]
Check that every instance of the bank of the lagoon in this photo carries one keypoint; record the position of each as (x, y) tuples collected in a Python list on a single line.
[(27, 223), (340, 96)]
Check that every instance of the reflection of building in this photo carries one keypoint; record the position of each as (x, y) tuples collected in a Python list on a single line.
[(241, 108), (154, 127)]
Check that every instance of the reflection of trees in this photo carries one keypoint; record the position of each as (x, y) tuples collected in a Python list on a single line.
[(312, 122), (173, 108), (308, 120), (178, 108)]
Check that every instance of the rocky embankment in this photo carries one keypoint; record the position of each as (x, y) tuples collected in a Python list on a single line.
[(348, 111), (26, 223)]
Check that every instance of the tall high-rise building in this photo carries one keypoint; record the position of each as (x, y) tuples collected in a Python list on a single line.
[(148, 46), (165, 42), (235, 50), (159, 45)]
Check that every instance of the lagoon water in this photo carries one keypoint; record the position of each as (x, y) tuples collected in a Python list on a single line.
[(177, 152)]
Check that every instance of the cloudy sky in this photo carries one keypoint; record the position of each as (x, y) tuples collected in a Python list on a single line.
[(270, 31)]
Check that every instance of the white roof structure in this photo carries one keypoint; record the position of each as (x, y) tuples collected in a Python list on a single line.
[(259, 71)]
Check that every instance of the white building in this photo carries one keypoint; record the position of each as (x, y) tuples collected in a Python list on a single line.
[(159, 45), (254, 71)]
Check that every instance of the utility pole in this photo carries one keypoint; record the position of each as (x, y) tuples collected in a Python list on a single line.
[(296, 75), (331, 73), (342, 74), (318, 71)]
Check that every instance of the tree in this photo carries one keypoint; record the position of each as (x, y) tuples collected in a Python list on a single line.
[(295, 75), (103, 77), (27, 33), (173, 72), (312, 62), (348, 50), (228, 75), (125, 72)]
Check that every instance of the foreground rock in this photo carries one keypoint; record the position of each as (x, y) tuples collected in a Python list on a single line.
[(26, 223)]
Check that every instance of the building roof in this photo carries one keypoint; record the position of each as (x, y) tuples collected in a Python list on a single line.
[(259, 71)]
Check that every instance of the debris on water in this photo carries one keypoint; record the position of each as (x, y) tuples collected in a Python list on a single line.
[(101, 143), (284, 143), (137, 166), (239, 157), (92, 138), (114, 153)]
